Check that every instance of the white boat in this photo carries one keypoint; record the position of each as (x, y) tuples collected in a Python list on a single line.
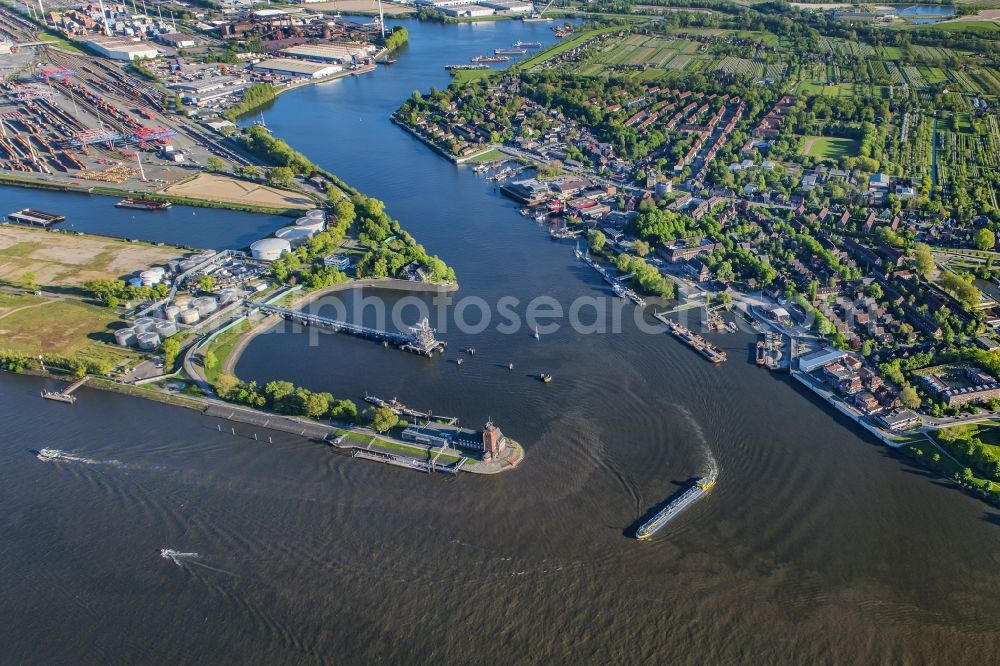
[(50, 454)]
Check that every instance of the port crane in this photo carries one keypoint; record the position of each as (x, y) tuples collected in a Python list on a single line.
[(538, 15)]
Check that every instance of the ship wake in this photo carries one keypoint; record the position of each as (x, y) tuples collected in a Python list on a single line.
[(55, 455), (177, 557)]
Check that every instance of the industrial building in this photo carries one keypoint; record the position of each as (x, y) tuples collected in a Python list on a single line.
[(122, 49), (338, 52), (508, 6), (303, 68), (204, 91)]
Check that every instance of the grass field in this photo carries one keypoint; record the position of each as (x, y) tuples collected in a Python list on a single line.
[(63, 327), (830, 147)]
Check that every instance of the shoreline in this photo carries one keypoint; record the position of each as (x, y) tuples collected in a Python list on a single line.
[(294, 425)]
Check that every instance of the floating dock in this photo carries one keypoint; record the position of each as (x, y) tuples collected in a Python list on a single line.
[(400, 409), (670, 511), (66, 395), (693, 340), (620, 290), (35, 218)]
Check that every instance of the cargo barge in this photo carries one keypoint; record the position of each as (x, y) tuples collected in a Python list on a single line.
[(35, 218), (693, 340), (527, 45), (510, 51), (493, 58), (670, 511), (143, 204)]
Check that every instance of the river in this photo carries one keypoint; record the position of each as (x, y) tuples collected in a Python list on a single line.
[(817, 545)]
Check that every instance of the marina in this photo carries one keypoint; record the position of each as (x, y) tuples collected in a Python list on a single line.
[(673, 508), (616, 286)]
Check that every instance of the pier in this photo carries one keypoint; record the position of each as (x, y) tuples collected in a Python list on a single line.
[(376, 455), (420, 339), (616, 284), (692, 339), (66, 395)]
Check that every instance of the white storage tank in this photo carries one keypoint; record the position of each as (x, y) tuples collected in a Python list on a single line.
[(269, 249), (157, 270), (125, 337), (311, 223), (205, 305), (182, 301), (189, 316), (171, 311), (294, 235), (143, 324), (148, 341), (165, 329), (230, 295), (186, 265), (317, 214)]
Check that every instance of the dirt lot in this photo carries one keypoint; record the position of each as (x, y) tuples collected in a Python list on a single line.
[(214, 187), (67, 260), (359, 7)]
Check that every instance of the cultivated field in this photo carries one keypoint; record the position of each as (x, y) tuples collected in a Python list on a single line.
[(213, 187), (65, 260)]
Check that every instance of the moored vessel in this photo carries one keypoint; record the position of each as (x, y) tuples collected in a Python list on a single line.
[(143, 204)]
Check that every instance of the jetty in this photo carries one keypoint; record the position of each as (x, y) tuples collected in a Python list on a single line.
[(420, 339), (616, 285), (367, 453), (66, 395), (692, 339)]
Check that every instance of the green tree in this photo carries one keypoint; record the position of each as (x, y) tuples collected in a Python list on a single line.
[(985, 239), (596, 240), (209, 360), (226, 384), (383, 418), (280, 176), (170, 348), (909, 397), (641, 248), (29, 281), (206, 283), (923, 258), (217, 164)]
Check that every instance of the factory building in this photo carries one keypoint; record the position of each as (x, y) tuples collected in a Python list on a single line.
[(298, 68), (336, 52), (123, 49), (204, 91)]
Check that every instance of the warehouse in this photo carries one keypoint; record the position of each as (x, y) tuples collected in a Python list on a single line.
[(338, 52), (303, 68), (123, 49)]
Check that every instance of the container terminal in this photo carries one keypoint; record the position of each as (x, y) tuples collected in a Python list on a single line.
[(674, 507)]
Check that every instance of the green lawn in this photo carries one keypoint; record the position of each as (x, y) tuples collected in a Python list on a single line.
[(222, 346), (830, 147), (69, 328)]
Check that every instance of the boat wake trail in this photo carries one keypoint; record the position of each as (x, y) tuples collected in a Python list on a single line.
[(180, 559), (54, 455), (176, 556)]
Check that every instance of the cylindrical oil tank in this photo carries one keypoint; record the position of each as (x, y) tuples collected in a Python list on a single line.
[(157, 270), (125, 337), (134, 282), (230, 295), (174, 265), (150, 277), (294, 235), (312, 224), (316, 213), (182, 301), (165, 329), (148, 341), (143, 324), (269, 249), (205, 305), (189, 316), (171, 312), (187, 265)]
